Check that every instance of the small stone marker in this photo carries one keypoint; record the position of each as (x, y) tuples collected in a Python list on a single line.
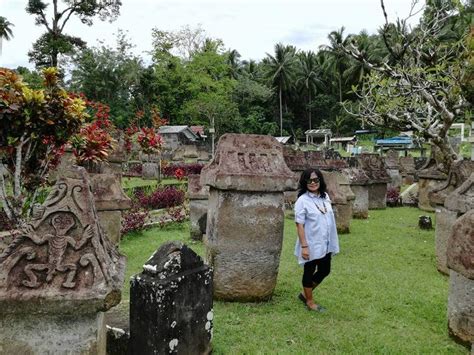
[(425, 222), (198, 203), (171, 303), (150, 171)]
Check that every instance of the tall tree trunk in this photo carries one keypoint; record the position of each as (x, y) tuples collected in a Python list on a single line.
[(281, 115), (309, 109), (340, 88), (447, 156)]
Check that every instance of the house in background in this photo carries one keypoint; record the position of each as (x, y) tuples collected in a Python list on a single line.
[(199, 131), (345, 143), (181, 143)]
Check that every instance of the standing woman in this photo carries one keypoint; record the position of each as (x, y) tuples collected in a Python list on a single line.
[(317, 235)]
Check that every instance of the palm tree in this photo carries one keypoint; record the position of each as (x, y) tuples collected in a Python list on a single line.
[(280, 70), (308, 77), (336, 41), (234, 63), (5, 30), (250, 69)]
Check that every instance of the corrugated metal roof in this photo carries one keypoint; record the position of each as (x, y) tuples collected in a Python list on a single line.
[(283, 140), (172, 129), (342, 139), (178, 129), (318, 132)]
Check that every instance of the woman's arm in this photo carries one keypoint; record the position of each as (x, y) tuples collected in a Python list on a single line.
[(302, 238)]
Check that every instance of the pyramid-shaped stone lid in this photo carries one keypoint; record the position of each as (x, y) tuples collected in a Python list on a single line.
[(249, 162)]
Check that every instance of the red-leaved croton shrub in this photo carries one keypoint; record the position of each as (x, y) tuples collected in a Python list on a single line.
[(393, 197), (149, 140), (134, 220), (94, 141), (160, 198), (35, 124)]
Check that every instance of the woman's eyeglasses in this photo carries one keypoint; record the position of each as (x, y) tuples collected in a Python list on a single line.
[(311, 181)]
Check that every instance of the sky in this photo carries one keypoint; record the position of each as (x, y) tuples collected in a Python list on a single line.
[(252, 27)]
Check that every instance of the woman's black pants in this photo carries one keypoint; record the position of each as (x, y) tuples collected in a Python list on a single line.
[(311, 278)]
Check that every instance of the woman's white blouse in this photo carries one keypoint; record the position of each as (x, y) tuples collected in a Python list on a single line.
[(319, 228)]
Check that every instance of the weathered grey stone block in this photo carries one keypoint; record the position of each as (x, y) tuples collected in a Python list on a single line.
[(150, 171), (52, 334), (376, 170), (461, 308), (198, 196), (377, 196), (360, 207), (197, 218), (110, 201), (244, 240)]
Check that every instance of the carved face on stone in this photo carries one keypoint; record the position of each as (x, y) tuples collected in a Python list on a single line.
[(62, 223)]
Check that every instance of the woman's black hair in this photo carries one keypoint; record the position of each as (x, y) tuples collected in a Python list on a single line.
[(303, 184)]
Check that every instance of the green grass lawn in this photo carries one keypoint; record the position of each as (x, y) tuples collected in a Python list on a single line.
[(131, 182), (384, 294)]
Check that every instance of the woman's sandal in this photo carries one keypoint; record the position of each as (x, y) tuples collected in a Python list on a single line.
[(318, 308), (302, 298)]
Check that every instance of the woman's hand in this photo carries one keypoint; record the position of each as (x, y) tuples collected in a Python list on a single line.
[(305, 252)]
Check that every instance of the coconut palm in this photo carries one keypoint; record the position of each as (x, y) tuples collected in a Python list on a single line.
[(280, 71), (234, 63), (308, 77), (371, 50), (5, 30), (339, 59)]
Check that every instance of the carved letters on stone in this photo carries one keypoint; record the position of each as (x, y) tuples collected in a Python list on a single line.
[(63, 249)]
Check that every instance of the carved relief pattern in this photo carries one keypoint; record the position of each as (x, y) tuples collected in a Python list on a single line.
[(63, 248)]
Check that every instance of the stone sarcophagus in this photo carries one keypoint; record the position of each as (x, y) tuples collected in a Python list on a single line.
[(59, 275), (246, 215), (460, 256), (358, 181), (407, 169), (110, 202), (460, 262), (375, 169), (445, 216), (393, 169)]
